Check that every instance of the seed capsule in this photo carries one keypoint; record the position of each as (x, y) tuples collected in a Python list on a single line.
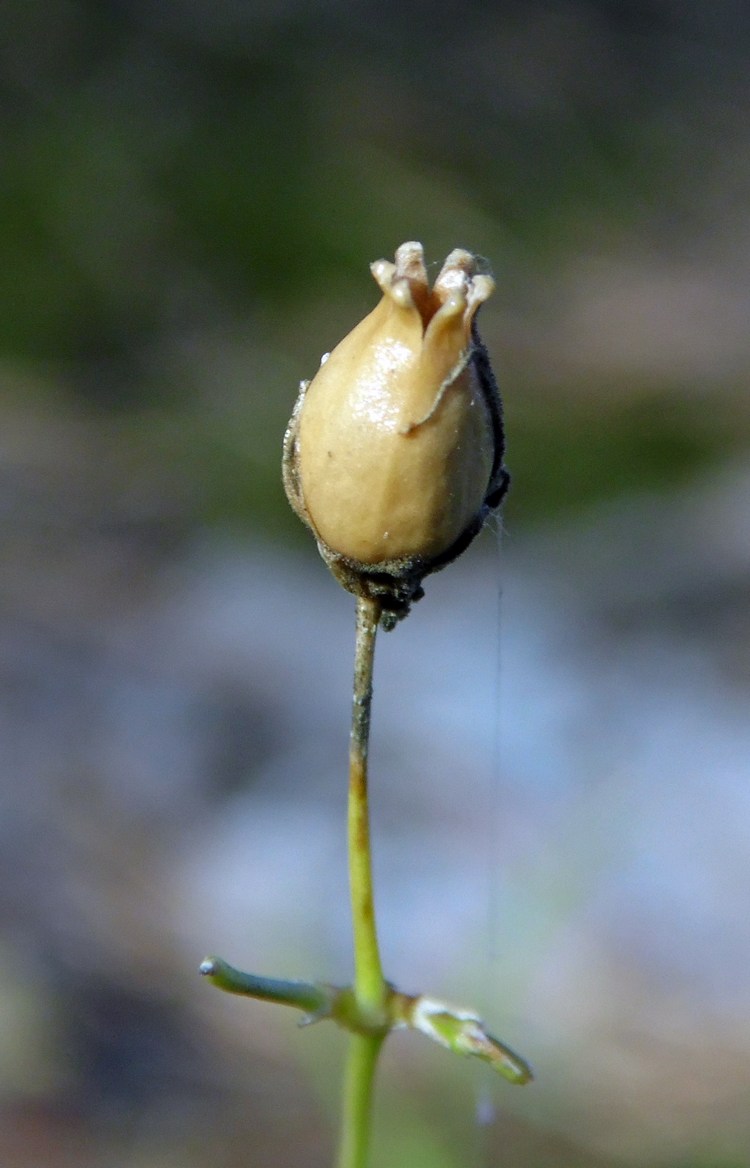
[(394, 453)]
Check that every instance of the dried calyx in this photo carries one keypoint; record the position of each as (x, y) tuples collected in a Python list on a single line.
[(394, 453)]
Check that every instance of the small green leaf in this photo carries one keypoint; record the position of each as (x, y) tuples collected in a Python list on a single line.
[(463, 1032)]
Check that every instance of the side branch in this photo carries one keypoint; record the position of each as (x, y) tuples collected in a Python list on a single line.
[(316, 1000)]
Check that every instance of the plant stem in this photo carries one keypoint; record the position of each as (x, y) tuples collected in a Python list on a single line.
[(313, 999), (370, 990), (359, 1076)]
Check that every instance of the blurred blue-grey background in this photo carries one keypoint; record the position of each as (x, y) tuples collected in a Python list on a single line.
[(190, 195)]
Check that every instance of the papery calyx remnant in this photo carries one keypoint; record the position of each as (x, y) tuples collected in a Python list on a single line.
[(394, 453)]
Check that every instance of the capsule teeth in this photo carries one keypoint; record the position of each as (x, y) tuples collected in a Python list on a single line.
[(410, 263), (394, 283), (480, 289), (459, 289), (383, 272), (400, 293), (449, 283), (455, 304), (455, 275), (450, 324), (459, 260)]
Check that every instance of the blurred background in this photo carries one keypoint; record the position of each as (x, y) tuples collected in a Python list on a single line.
[(190, 196)]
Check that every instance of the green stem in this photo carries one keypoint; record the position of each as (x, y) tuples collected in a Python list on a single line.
[(359, 1076), (370, 990), (313, 999)]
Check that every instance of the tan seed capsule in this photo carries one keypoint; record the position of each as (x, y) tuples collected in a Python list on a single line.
[(394, 454)]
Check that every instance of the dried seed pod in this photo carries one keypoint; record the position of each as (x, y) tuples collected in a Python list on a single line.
[(394, 453)]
